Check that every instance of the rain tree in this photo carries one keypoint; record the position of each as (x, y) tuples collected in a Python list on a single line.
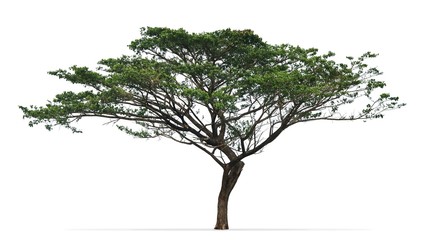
[(227, 92)]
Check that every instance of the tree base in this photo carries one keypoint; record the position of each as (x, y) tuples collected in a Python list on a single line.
[(221, 227)]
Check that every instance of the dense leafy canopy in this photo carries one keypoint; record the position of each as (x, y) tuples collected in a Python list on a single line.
[(227, 92)]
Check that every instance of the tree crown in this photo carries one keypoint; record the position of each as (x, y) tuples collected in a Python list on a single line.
[(227, 92)]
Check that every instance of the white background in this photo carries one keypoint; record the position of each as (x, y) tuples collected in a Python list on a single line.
[(322, 180)]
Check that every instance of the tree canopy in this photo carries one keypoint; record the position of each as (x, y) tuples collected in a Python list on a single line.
[(227, 92)]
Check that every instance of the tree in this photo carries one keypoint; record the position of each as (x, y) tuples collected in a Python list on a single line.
[(226, 92)]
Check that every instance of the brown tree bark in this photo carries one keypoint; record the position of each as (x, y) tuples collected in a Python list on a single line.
[(231, 173)]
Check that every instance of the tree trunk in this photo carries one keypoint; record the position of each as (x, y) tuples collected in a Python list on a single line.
[(231, 174)]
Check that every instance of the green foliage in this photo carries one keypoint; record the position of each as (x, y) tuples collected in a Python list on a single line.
[(227, 92)]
